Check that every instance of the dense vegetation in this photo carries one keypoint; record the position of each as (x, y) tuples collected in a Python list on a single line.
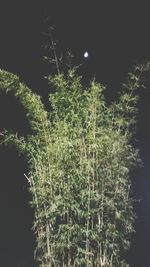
[(79, 157)]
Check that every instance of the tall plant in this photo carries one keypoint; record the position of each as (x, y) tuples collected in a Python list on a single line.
[(79, 156)]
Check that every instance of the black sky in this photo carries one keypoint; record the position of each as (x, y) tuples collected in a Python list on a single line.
[(116, 35)]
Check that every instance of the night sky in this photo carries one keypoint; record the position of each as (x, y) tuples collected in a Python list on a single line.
[(116, 35)]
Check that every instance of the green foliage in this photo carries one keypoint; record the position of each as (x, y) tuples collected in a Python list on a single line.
[(35, 112), (80, 157)]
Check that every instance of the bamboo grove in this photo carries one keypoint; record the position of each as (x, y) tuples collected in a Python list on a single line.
[(79, 158)]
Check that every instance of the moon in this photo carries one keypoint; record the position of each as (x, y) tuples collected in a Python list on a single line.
[(86, 54)]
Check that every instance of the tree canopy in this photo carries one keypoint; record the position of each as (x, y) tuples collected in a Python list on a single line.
[(80, 155)]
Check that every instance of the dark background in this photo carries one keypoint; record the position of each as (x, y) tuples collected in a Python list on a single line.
[(116, 35)]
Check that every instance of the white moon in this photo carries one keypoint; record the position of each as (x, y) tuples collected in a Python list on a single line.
[(86, 54)]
